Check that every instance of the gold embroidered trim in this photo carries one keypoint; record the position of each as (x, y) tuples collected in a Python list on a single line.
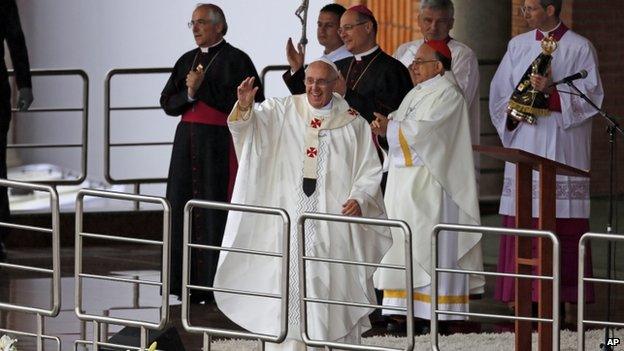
[(405, 148), (444, 299)]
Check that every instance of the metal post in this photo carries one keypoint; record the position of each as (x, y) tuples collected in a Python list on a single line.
[(136, 290), (580, 331), (39, 332), (207, 341), (136, 188), (143, 338), (96, 336)]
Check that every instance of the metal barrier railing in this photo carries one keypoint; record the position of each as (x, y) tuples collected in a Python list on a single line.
[(304, 300), (85, 128), (107, 126), (581, 286), (494, 231), (55, 271), (272, 68), (209, 332), (79, 275)]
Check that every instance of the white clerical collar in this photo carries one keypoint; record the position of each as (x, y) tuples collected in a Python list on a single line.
[(547, 33), (338, 54), (430, 82), (323, 111), (205, 49), (359, 57)]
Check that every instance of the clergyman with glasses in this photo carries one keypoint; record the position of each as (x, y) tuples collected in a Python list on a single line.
[(373, 80), (303, 153), (563, 135), (431, 180), (435, 20), (202, 89)]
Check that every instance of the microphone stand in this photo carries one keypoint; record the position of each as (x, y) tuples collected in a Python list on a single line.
[(613, 127)]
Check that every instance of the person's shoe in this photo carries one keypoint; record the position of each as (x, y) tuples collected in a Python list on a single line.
[(3, 253), (396, 324), (201, 298)]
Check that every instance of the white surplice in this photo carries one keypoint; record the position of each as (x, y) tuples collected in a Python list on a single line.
[(562, 136), (270, 144), (338, 54), (465, 68), (431, 180)]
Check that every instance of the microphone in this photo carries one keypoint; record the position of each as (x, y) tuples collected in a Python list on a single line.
[(582, 74)]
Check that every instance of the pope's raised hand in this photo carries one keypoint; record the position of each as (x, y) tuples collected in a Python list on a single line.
[(246, 93)]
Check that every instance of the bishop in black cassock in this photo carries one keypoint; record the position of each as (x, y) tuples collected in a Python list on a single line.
[(202, 88)]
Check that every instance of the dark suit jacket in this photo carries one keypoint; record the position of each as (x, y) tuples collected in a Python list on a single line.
[(11, 31)]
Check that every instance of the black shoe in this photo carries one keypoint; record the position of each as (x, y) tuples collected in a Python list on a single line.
[(202, 298), (3, 253), (396, 324)]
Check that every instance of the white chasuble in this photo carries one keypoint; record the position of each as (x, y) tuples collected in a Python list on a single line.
[(272, 144), (430, 181), (562, 136)]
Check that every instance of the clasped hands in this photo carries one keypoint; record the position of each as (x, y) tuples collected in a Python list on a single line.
[(380, 125), (193, 80)]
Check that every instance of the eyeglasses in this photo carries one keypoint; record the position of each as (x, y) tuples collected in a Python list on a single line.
[(527, 9), (319, 82), (419, 62), (199, 22), (349, 27)]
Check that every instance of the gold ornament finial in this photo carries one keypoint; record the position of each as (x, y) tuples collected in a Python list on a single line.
[(549, 45)]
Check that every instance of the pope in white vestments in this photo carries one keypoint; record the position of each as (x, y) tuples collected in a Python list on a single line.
[(431, 180), (316, 137)]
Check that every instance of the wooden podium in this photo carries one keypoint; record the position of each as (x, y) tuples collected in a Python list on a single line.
[(525, 163)]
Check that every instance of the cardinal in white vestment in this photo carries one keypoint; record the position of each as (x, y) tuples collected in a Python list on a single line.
[(303, 153), (435, 20), (431, 180)]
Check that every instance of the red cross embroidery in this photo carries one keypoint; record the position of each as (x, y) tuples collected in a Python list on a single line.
[(315, 123), (352, 112), (311, 151)]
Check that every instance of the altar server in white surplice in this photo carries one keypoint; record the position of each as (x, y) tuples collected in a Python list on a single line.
[(307, 152), (564, 135), (431, 180)]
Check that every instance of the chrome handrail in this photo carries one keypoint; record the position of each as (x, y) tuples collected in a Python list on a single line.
[(84, 145), (79, 275), (493, 231), (107, 124), (304, 300), (581, 286), (209, 332), (54, 232)]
